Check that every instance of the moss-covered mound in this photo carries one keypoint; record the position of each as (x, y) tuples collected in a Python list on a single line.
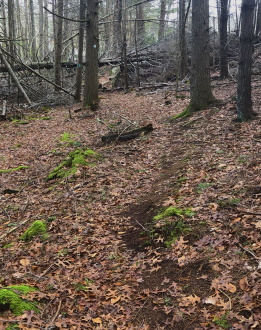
[(11, 298), (38, 228), (75, 159)]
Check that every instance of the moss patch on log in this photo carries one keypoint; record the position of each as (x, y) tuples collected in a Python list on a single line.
[(38, 228), (75, 159), (11, 298)]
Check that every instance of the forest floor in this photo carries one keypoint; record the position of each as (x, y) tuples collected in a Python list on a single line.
[(107, 262)]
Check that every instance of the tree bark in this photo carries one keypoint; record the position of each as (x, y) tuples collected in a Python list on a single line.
[(200, 89), (162, 20), (258, 20), (182, 40), (33, 34), (41, 29), (223, 39), (91, 83), (244, 99), (80, 52), (58, 47)]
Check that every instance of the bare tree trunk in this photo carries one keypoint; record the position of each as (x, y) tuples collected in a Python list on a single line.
[(33, 34), (46, 32), (223, 39), (3, 13), (80, 52), (41, 29), (200, 89), (11, 27), (237, 21), (182, 40), (244, 99), (91, 83), (124, 49), (117, 31), (162, 20), (258, 20), (140, 23), (58, 42)]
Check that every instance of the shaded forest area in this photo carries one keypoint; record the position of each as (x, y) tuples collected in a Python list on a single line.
[(131, 199)]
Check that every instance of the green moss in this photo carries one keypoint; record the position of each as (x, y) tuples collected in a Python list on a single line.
[(14, 169), (172, 211), (6, 246), (186, 113), (72, 161), (38, 228), (10, 298)]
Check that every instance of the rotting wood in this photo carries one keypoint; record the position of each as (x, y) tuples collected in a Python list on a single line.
[(127, 135)]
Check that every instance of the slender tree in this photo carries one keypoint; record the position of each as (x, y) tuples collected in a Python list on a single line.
[(244, 100), (91, 83), (200, 89), (80, 52), (223, 39), (162, 20), (33, 31), (58, 44)]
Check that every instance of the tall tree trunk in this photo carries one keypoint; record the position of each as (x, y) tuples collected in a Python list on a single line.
[(46, 32), (80, 52), (33, 34), (41, 29), (223, 39), (244, 100), (258, 20), (91, 83), (182, 40), (11, 27), (140, 23), (200, 89), (58, 42), (237, 21), (162, 20), (117, 29)]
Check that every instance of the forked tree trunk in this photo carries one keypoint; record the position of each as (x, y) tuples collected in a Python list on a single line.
[(91, 83), (223, 39), (244, 100), (200, 89)]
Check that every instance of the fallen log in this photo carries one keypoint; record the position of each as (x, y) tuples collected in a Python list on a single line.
[(125, 136)]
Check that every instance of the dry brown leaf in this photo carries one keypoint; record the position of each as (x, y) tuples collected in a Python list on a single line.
[(114, 300), (97, 320), (25, 262), (258, 224), (243, 284), (230, 287)]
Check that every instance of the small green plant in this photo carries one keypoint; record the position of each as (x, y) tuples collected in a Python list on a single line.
[(38, 228), (69, 166), (203, 186), (172, 211), (228, 203), (14, 169), (11, 298), (222, 321), (242, 159)]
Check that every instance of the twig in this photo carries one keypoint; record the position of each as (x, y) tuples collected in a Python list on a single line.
[(45, 272), (230, 303), (58, 311), (134, 317), (248, 212), (141, 225), (250, 252), (13, 229)]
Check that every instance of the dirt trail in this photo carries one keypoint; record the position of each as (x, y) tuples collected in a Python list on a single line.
[(106, 264)]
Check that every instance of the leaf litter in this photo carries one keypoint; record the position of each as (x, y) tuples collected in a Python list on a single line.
[(99, 267)]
